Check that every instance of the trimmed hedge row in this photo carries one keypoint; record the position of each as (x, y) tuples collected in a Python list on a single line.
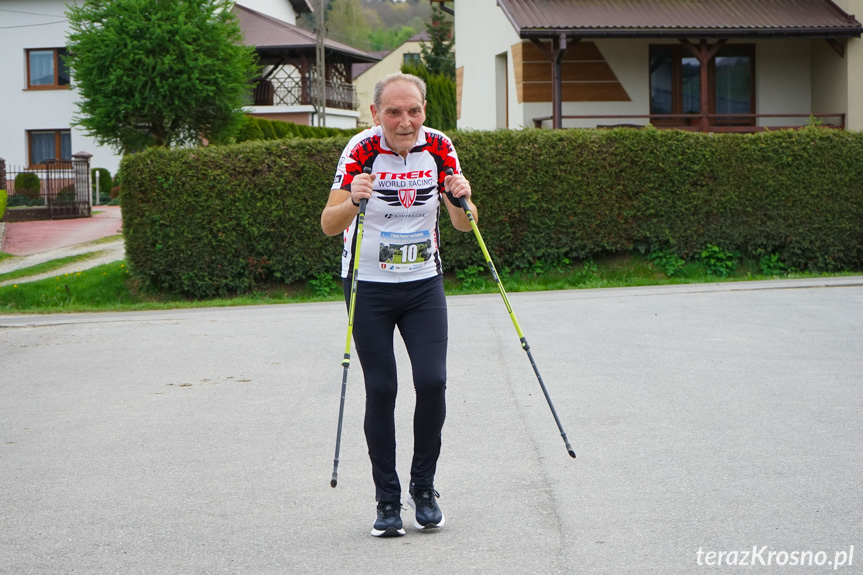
[(254, 128), (212, 221)]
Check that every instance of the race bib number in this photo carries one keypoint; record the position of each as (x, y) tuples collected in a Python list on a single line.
[(405, 252)]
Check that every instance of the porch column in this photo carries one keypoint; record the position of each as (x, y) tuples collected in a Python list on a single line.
[(559, 47), (704, 52)]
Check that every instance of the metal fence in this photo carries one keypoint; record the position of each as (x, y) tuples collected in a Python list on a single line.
[(57, 190)]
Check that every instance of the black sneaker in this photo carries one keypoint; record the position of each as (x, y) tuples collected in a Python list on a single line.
[(426, 512), (389, 521)]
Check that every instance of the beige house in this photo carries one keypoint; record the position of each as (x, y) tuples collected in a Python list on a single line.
[(708, 65), (367, 75)]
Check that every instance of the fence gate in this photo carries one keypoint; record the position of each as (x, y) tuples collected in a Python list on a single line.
[(67, 187)]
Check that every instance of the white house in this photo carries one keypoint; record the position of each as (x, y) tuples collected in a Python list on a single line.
[(36, 102), (710, 65)]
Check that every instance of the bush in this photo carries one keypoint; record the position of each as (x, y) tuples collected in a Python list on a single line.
[(441, 111), (718, 262), (216, 220), (255, 128), (667, 261), (771, 265), (28, 184), (67, 194), (250, 130), (2, 203), (219, 219), (21, 200)]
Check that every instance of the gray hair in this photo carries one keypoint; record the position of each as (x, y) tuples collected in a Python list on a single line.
[(395, 77)]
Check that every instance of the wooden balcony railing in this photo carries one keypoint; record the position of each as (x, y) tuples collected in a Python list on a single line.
[(716, 122), (293, 91)]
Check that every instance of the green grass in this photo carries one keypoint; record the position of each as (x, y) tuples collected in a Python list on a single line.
[(111, 287), (49, 266), (96, 289), (623, 270)]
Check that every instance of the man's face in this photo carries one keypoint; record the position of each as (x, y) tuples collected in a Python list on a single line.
[(401, 115)]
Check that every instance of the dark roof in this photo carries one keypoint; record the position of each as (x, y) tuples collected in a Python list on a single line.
[(301, 6), (268, 34), (423, 36), (358, 69), (678, 18)]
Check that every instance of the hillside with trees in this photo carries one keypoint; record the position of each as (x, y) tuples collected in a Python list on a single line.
[(372, 25), (383, 25)]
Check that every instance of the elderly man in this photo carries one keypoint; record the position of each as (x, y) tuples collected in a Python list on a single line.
[(400, 283)]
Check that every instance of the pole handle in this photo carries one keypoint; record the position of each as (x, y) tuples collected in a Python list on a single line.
[(364, 201), (461, 202)]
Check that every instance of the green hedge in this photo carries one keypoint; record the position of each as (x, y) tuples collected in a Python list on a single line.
[(2, 204), (212, 221), (254, 128), (216, 220)]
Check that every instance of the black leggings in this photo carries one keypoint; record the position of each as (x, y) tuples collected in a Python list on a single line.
[(418, 308)]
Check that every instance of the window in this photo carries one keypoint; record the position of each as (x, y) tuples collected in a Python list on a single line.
[(46, 69), (675, 83), (412, 59), (47, 144), (732, 77)]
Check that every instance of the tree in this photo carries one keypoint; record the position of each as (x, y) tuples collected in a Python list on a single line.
[(158, 72), (348, 22), (437, 55), (384, 22), (390, 38), (440, 98)]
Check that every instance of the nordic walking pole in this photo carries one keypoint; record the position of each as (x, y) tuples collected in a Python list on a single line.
[(347, 358), (463, 203)]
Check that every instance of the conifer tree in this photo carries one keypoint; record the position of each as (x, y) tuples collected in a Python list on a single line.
[(158, 72), (437, 55)]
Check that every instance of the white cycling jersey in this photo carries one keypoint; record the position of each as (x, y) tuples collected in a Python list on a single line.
[(401, 225)]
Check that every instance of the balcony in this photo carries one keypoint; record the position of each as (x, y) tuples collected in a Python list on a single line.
[(741, 123), (291, 90)]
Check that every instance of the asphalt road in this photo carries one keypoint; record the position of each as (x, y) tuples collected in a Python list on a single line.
[(708, 420)]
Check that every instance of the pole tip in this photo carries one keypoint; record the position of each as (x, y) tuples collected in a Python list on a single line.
[(571, 454), (333, 482)]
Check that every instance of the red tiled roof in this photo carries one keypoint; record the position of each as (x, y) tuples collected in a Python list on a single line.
[(267, 33), (653, 18)]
